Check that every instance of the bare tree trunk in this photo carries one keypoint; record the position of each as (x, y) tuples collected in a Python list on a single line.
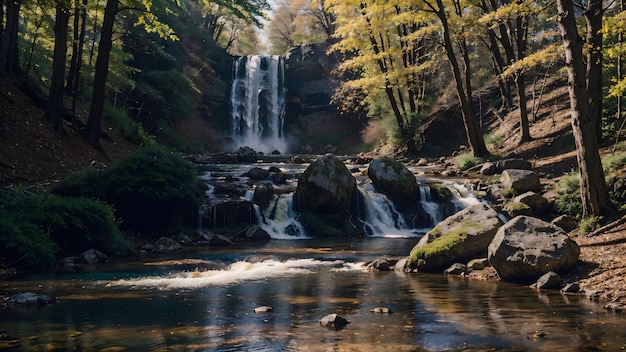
[(593, 190), (92, 131), (54, 110), (472, 127), (9, 54), (593, 16)]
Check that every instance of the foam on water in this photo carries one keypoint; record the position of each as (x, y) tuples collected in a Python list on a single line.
[(238, 272)]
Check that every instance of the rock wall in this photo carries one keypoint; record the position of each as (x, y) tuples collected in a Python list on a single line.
[(310, 86)]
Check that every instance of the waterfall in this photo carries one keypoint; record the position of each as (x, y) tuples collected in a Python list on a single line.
[(257, 101)]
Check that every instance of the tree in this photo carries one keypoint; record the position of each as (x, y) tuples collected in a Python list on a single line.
[(462, 79), (98, 96), (54, 110), (9, 52), (585, 117)]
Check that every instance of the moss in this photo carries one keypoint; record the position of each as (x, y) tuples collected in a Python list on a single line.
[(518, 208), (440, 193), (442, 242), (509, 192)]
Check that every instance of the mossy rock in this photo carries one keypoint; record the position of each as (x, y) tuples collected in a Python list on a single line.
[(392, 178), (459, 238)]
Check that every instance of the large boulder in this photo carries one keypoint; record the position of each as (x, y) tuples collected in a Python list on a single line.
[(323, 197), (459, 238), (525, 248), (392, 178), (520, 180)]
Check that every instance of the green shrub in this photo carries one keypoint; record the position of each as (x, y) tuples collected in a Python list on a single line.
[(568, 189), (78, 224), (589, 225), (34, 228), (152, 189), (466, 160), (127, 127), (493, 138)]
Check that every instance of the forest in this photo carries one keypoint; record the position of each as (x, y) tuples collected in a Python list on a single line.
[(145, 66)]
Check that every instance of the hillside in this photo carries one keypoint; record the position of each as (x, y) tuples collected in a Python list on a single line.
[(31, 153)]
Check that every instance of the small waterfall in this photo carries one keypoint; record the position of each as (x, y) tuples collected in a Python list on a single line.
[(432, 208), (257, 100), (381, 217)]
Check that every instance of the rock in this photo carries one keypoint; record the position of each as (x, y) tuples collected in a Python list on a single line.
[(381, 310), (537, 203), (393, 179), (516, 209), (323, 197), (459, 238), (422, 162), (166, 244), (262, 196), (254, 233), (334, 321), (383, 264), (31, 299), (492, 168), (263, 309), (326, 186), (257, 174), (91, 256), (549, 281), (495, 193), (478, 264), (526, 248), (566, 222), (457, 269), (279, 178), (246, 155), (216, 240), (520, 180)]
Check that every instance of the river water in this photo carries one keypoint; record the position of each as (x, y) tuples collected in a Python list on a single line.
[(164, 304)]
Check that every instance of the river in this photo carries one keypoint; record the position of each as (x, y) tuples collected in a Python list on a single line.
[(163, 304)]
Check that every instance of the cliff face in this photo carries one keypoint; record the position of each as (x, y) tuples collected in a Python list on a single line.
[(310, 85)]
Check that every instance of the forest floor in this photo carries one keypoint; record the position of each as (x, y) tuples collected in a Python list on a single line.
[(32, 154)]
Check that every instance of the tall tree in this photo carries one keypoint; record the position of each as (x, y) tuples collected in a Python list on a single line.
[(585, 119), (9, 52), (462, 78), (98, 96), (54, 110)]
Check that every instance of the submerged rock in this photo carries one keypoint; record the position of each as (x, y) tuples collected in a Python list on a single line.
[(334, 321), (263, 309), (381, 310), (31, 299), (166, 244)]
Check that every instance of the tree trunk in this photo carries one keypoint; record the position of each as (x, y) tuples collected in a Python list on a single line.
[(593, 190), (9, 54), (593, 16), (523, 108), (92, 131), (521, 30), (54, 110), (472, 128)]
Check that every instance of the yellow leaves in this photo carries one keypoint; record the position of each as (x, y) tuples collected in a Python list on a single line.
[(544, 56)]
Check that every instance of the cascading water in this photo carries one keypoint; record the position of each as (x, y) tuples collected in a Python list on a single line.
[(257, 101)]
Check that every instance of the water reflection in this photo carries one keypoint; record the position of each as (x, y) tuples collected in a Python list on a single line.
[(431, 312)]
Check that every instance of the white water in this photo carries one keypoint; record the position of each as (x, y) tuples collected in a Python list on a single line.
[(258, 103), (241, 271)]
